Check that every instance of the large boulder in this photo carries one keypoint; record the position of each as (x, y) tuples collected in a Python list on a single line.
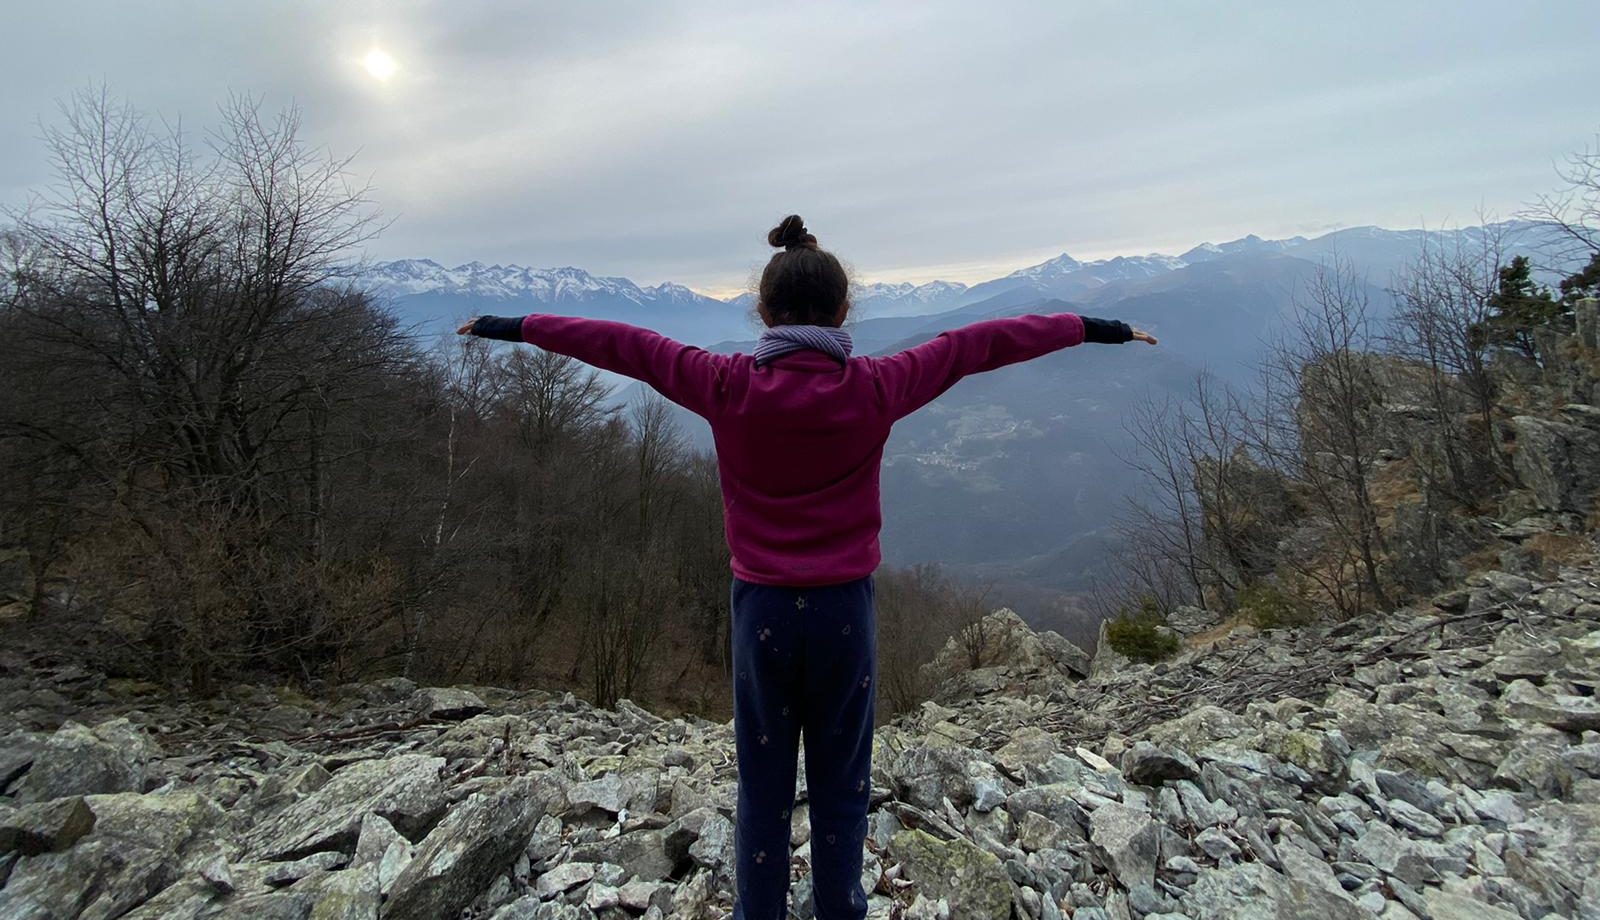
[(1107, 660), (618, 790), (1558, 460), (1189, 621), (446, 703), (1148, 765), (478, 839), (972, 881), (45, 827), (1128, 841), (924, 775), (1198, 728), (139, 845), (1003, 640), (1568, 712), (406, 790), (1254, 891), (79, 760), (643, 853)]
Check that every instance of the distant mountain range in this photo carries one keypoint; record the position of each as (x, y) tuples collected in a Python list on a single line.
[(1013, 475), (426, 292)]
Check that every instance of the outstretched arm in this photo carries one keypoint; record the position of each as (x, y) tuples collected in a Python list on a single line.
[(689, 376), (915, 377)]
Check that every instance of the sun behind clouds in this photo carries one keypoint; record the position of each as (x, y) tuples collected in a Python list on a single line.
[(380, 65)]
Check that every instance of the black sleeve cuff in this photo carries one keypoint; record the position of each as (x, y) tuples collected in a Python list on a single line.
[(504, 328), (1106, 331)]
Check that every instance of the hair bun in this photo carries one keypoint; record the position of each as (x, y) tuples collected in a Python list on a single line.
[(790, 233)]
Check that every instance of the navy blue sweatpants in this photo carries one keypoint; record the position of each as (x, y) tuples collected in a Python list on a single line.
[(804, 660)]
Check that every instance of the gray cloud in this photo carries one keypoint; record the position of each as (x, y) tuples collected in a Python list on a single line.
[(948, 139)]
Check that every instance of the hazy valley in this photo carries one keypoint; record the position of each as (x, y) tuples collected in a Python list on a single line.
[(1012, 477)]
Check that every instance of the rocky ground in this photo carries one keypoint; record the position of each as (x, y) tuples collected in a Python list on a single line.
[(1434, 763)]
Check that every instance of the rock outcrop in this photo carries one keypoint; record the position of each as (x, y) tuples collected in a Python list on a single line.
[(1435, 763), (1000, 652)]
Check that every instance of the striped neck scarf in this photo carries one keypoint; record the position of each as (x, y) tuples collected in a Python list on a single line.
[(780, 340)]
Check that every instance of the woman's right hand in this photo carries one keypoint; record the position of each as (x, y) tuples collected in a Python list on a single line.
[(1139, 335), (466, 327)]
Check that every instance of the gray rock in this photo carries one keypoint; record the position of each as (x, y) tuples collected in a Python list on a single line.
[(1503, 586), (924, 776), (1068, 658), (280, 874), (972, 881), (45, 827), (1407, 789), (1311, 871), (289, 785), (1535, 766), (1410, 861), (379, 844), (1003, 641), (713, 848), (1148, 765), (600, 897), (1054, 801), (1559, 462), (1445, 905), (642, 853), (1413, 818), (564, 878), (1198, 728), (195, 897), (1129, 842), (349, 894), (616, 791), (1252, 891), (217, 875), (405, 789), (1564, 711), (477, 839), (1036, 832), (638, 895), (1535, 662), (1107, 661), (446, 703), (1189, 621), (77, 760), (140, 845), (1216, 844), (1202, 811)]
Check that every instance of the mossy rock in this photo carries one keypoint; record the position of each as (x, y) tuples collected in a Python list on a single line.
[(973, 881)]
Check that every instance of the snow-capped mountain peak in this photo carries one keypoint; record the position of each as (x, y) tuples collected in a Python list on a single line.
[(1063, 264), (563, 284)]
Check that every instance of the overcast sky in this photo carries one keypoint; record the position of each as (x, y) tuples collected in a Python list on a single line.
[(920, 140)]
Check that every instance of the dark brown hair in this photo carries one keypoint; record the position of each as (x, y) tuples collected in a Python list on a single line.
[(804, 284)]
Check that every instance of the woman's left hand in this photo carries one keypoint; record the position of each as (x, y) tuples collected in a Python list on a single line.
[(1139, 335), (466, 327)]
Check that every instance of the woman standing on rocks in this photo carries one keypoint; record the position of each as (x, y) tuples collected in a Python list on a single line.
[(800, 427)]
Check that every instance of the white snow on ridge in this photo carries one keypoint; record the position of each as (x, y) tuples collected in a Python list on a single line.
[(510, 282), (574, 285)]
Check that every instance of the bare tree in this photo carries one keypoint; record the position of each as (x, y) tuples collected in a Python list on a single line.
[(1321, 425), (197, 300), (969, 605), (1574, 210), (1444, 307), (915, 618), (1198, 533), (658, 452)]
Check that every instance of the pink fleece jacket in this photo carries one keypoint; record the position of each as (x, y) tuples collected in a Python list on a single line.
[(800, 440)]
